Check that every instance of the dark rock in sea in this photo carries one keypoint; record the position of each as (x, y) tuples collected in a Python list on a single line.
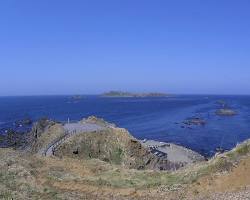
[(194, 121), (23, 138), (13, 139), (76, 97), (219, 150), (24, 122)]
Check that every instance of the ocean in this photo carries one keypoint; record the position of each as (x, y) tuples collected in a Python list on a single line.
[(146, 118)]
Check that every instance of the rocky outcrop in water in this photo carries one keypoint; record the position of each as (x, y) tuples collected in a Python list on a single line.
[(24, 122), (196, 121), (226, 112)]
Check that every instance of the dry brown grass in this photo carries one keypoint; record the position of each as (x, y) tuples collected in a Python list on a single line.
[(24, 176)]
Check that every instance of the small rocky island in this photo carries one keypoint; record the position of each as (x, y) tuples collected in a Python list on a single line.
[(226, 112), (224, 109), (77, 97), (130, 94), (195, 121)]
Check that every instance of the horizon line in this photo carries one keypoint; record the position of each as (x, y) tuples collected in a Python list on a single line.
[(98, 94)]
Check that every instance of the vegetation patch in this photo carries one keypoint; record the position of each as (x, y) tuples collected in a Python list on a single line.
[(117, 156)]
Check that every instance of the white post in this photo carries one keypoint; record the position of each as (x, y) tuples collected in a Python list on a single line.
[(68, 120)]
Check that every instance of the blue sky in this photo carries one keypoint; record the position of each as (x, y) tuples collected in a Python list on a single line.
[(90, 46)]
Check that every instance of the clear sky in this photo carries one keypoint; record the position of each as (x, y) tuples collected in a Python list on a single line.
[(91, 46)]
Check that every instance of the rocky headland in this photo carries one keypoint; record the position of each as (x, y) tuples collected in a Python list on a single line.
[(94, 138)]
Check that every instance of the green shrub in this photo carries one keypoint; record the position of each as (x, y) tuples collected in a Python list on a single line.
[(116, 156), (6, 195), (243, 149)]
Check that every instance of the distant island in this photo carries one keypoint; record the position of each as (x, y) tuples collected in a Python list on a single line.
[(130, 94), (77, 97)]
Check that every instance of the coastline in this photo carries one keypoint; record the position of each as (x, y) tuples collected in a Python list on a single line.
[(161, 155), (105, 155), (163, 117)]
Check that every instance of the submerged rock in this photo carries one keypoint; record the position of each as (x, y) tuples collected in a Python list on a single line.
[(222, 103), (77, 97), (24, 122), (196, 121), (219, 150)]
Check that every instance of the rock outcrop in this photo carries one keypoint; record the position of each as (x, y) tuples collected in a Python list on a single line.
[(226, 112), (43, 133), (94, 138), (114, 145)]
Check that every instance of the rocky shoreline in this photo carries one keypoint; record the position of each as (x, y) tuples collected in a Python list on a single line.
[(178, 155), (174, 152)]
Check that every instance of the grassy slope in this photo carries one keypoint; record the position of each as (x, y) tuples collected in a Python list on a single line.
[(32, 177), (115, 146)]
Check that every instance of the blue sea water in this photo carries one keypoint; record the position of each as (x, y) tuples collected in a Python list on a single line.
[(151, 118)]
